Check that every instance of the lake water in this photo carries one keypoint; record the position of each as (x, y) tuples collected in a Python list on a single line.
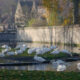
[(71, 66)]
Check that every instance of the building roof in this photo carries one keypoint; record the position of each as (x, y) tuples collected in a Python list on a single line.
[(27, 6)]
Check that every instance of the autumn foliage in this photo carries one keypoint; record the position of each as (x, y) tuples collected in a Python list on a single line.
[(59, 12)]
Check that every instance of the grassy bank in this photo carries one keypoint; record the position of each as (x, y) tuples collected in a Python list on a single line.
[(38, 75), (47, 55)]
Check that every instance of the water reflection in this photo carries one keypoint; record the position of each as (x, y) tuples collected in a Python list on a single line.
[(9, 61), (41, 67), (71, 66)]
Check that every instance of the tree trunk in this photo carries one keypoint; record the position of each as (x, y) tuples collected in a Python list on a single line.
[(76, 11)]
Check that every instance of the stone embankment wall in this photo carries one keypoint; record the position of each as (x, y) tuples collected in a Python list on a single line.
[(55, 34)]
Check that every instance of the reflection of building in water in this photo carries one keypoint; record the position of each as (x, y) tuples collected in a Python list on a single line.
[(40, 67), (31, 67), (20, 68)]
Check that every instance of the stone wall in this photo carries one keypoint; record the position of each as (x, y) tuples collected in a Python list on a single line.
[(56, 34)]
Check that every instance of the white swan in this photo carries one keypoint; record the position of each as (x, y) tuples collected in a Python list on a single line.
[(56, 63), (66, 52), (31, 50), (42, 50), (23, 45), (38, 51), (18, 46), (40, 59), (52, 47), (60, 62), (10, 53), (2, 54), (61, 67), (23, 49), (5, 50), (18, 52), (78, 66), (46, 49), (5, 46), (55, 52)]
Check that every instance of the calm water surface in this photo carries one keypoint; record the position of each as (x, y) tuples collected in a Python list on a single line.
[(71, 66)]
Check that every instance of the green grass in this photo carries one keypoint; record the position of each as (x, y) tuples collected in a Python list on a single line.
[(38, 75), (51, 56)]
